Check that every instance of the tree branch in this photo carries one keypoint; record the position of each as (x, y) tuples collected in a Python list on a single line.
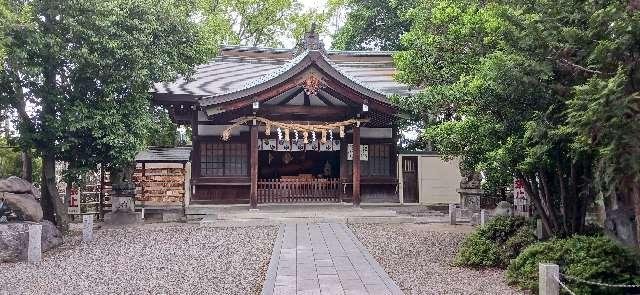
[(566, 62)]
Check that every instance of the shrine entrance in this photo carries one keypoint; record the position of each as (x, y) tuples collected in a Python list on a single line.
[(290, 175)]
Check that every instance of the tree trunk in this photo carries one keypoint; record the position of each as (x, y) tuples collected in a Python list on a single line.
[(635, 195), (547, 207), (574, 193), (546, 223), (52, 206), (27, 165), (563, 194)]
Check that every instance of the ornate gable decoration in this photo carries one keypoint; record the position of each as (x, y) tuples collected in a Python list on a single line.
[(310, 41), (311, 85)]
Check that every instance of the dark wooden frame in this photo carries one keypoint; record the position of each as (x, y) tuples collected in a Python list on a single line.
[(224, 159)]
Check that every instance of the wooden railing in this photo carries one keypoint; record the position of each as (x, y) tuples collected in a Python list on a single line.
[(298, 190)]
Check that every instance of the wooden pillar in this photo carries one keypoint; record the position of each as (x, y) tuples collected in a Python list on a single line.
[(101, 195), (195, 152), (344, 169), (356, 166), (142, 180), (195, 142), (253, 146)]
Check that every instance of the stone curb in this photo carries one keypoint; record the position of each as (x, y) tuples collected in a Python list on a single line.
[(270, 280)]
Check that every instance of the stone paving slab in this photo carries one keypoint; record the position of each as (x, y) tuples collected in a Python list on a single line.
[(323, 259)]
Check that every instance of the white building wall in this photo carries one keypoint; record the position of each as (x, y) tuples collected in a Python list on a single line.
[(438, 180)]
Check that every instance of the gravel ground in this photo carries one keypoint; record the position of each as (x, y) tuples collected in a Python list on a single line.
[(152, 258), (418, 258)]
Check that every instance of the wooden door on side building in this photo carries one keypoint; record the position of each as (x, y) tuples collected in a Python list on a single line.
[(410, 179)]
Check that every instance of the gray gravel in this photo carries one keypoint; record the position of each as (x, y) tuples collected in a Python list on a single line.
[(418, 258), (154, 258)]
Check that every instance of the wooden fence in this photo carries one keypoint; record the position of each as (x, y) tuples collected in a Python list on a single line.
[(298, 190)]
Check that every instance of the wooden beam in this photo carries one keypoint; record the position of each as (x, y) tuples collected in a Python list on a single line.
[(291, 97), (324, 99), (340, 97), (359, 98), (263, 96), (356, 166), (311, 111), (253, 146), (307, 101)]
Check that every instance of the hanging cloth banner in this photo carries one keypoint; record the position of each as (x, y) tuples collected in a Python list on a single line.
[(297, 145), (309, 131)]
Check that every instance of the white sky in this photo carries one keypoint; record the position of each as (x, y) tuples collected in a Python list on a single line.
[(309, 4)]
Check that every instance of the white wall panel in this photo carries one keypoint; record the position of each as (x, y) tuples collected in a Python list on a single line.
[(438, 180)]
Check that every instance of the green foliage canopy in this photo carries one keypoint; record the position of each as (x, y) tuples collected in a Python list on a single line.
[(256, 22), (104, 55), (373, 24), (78, 74), (536, 90)]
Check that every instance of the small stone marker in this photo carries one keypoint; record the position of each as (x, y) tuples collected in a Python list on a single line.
[(483, 217), (452, 214), (34, 251), (548, 275), (540, 232), (87, 227)]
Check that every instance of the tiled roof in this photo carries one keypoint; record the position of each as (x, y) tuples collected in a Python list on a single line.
[(164, 155), (239, 68)]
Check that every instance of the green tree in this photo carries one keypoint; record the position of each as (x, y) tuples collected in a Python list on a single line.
[(88, 66), (248, 22), (528, 90), (11, 162), (162, 132), (373, 24)]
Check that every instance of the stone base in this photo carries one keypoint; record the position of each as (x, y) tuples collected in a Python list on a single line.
[(470, 198), (14, 239), (122, 218), (172, 216)]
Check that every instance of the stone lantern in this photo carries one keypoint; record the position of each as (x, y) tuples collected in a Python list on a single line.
[(123, 199)]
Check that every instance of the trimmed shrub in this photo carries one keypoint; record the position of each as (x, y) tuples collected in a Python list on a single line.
[(478, 251), (495, 243), (500, 228), (595, 258), (520, 240)]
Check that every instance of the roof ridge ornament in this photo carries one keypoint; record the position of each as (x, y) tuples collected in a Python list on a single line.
[(310, 41)]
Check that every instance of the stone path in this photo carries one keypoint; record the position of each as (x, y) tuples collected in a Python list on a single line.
[(323, 259)]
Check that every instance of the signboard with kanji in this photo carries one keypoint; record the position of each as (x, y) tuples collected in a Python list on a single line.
[(520, 198), (364, 152), (74, 202)]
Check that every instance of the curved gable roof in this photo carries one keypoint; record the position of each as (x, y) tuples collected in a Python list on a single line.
[(240, 67), (296, 66)]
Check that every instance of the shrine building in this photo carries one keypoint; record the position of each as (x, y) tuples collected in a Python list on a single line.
[(290, 125)]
